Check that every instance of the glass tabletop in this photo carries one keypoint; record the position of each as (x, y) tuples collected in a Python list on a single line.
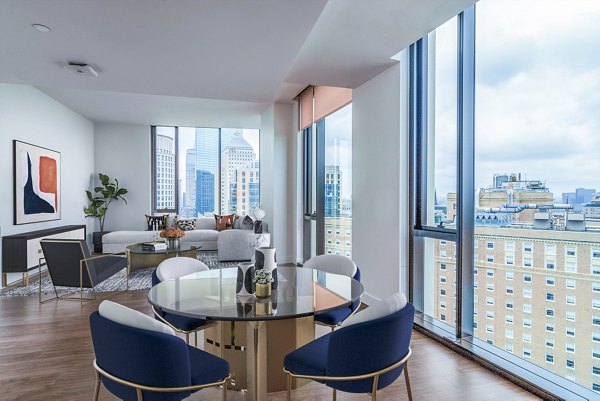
[(137, 248), (212, 295)]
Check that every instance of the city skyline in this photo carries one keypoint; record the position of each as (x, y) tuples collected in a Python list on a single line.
[(215, 182)]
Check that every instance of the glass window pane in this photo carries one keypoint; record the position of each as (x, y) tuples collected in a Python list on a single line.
[(206, 189), (441, 127), (440, 281), (165, 168), (537, 158), (239, 171), (338, 182)]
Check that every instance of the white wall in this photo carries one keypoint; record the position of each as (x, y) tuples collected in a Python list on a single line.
[(278, 178), (31, 116), (122, 151), (378, 187)]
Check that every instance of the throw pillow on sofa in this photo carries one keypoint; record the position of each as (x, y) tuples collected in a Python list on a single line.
[(224, 222), (156, 223), (185, 224), (247, 223)]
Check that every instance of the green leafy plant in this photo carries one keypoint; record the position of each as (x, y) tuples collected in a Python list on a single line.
[(107, 192)]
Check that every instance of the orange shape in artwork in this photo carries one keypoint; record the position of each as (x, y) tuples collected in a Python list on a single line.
[(48, 177)]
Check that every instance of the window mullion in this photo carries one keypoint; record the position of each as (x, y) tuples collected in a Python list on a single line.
[(466, 172)]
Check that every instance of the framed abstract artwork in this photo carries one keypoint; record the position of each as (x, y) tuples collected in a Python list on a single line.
[(36, 183)]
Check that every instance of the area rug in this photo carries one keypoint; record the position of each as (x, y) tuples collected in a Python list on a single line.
[(138, 280)]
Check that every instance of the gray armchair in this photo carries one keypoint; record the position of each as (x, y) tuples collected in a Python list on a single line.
[(70, 265)]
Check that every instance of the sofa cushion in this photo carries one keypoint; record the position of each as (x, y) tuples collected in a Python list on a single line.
[(224, 222), (128, 237), (206, 223), (201, 235)]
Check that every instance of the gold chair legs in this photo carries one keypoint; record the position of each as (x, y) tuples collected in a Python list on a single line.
[(97, 390), (408, 390)]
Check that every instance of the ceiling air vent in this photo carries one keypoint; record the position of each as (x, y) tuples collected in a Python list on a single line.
[(85, 70)]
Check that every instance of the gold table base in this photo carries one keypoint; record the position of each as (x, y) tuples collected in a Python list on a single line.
[(255, 351)]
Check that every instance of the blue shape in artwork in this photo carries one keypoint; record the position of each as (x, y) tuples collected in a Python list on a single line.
[(32, 203)]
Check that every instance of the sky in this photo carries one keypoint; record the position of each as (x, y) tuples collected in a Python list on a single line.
[(537, 94)]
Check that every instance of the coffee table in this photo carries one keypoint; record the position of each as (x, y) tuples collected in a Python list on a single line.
[(139, 258)]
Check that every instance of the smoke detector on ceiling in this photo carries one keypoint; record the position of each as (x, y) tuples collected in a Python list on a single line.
[(81, 69)]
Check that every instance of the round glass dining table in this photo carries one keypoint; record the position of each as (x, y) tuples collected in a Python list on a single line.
[(255, 334)]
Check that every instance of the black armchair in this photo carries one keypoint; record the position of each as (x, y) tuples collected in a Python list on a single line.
[(70, 265)]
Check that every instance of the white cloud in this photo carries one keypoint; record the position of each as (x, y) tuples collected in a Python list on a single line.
[(537, 94)]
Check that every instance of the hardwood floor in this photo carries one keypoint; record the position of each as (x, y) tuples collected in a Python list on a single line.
[(46, 355)]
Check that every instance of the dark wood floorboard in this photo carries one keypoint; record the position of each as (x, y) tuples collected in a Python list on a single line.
[(46, 354)]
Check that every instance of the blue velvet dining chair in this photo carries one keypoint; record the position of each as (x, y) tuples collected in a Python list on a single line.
[(174, 268), (141, 359), (336, 264), (368, 353)]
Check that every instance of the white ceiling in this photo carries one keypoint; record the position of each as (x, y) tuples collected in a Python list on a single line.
[(188, 61)]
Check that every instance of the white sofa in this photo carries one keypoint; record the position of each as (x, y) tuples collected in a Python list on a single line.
[(232, 244)]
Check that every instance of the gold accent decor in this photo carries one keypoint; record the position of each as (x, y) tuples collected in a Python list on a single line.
[(263, 290), (234, 341)]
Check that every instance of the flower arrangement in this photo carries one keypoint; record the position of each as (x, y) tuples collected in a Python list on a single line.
[(172, 233), (262, 276)]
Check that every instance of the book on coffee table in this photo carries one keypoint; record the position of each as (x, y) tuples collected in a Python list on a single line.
[(154, 246)]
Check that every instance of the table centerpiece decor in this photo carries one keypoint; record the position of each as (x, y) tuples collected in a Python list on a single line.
[(262, 279), (172, 236)]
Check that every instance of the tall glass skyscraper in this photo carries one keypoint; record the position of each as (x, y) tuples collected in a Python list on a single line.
[(207, 161)]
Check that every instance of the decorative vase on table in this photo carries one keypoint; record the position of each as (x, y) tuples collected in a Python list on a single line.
[(245, 272), (263, 290), (172, 243), (265, 258)]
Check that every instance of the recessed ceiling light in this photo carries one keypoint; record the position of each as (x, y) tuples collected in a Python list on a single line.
[(41, 28)]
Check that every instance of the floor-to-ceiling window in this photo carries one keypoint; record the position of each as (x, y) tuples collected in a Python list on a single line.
[(203, 171), (521, 219), (327, 171)]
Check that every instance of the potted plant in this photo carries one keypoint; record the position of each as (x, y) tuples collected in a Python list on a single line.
[(263, 279), (103, 195)]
